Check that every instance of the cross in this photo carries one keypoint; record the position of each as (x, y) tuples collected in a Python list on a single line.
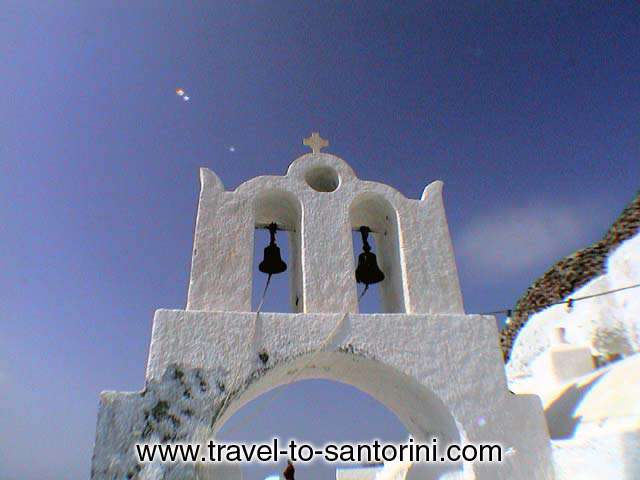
[(315, 142)]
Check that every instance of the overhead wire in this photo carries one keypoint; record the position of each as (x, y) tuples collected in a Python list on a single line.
[(569, 301)]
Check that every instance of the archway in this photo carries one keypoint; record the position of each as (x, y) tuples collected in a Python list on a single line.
[(420, 411), (315, 412)]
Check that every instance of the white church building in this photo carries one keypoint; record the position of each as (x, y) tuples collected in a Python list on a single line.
[(209, 359)]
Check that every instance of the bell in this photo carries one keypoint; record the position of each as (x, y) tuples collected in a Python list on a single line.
[(272, 262), (367, 271)]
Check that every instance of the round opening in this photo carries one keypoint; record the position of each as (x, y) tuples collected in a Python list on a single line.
[(322, 179)]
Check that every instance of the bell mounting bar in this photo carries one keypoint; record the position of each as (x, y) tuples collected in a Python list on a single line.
[(265, 226)]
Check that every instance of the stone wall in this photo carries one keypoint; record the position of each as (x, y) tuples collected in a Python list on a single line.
[(569, 274)]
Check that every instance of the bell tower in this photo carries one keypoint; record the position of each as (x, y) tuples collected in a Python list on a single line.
[(439, 370), (321, 201)]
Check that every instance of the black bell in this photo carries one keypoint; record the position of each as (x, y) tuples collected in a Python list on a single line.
[(272, 262), (367, 271)]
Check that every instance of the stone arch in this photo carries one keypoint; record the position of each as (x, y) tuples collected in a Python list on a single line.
[(284, 208), (420, 410), (376, 212)]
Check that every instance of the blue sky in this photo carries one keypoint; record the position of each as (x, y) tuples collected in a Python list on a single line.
[(528, 113)]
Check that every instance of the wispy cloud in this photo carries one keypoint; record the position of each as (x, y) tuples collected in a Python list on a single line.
[(516, 239)]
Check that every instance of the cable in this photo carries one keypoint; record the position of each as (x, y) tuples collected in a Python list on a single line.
[(293, 378), (228, 398), (570, 301), (264, 294), (366, 287), (603, 293)]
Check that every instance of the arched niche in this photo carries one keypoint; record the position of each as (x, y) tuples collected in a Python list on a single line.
[(284, 209), (422, 412), (375, 211)]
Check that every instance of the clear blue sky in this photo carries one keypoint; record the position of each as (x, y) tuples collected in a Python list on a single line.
[(529, 114)]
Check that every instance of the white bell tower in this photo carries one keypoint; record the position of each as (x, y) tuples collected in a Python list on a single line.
[(320, 201), (439, 370)]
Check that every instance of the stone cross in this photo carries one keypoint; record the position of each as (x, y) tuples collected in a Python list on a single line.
[(315, 142)]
